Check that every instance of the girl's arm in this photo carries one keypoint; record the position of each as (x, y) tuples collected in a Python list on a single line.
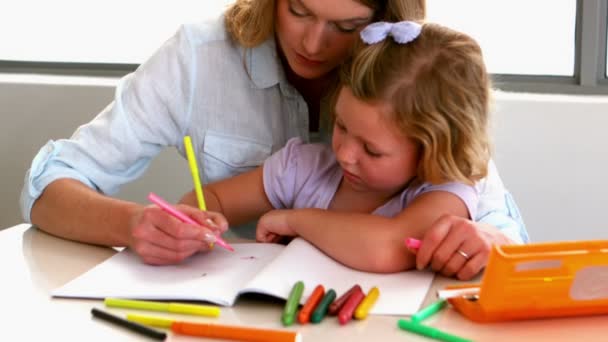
[(364, 241), (240, 199)]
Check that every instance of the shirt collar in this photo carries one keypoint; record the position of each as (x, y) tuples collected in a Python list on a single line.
[(265, 67)]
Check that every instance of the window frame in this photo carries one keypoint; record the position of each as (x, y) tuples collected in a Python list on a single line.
[(66, 68), (589, 61)]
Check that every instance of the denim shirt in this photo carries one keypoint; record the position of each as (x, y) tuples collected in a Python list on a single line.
[(235, 103)]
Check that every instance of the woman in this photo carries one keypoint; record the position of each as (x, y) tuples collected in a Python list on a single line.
[(240, 86)]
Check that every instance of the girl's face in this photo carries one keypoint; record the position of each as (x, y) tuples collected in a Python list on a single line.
[(315, 36), (373, 153)]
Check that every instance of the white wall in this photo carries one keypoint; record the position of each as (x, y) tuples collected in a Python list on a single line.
[(549, 150), (35, 109)]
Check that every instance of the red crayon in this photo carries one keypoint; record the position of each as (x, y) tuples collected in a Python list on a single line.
[(311, 304), (348, 309), (335, 307)]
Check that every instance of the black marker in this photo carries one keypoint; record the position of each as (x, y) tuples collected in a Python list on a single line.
[(139, 328)]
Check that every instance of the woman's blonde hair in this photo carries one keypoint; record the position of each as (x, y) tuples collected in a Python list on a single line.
[(251, 22), (439, 91)]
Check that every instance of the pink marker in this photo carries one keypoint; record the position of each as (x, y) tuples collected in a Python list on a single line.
[(413, 243), (154, 198)]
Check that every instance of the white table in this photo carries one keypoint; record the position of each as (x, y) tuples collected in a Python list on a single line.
[(34, 263)]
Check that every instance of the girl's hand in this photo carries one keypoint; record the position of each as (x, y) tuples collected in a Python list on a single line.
[(273, 225), (455, 246), (161, 239)]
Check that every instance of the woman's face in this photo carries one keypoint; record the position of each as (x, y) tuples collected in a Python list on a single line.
[(316, 36)]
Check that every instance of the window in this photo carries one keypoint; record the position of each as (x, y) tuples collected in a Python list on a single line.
[(605, 31), (517, 36), (538, 45), (110, 31)]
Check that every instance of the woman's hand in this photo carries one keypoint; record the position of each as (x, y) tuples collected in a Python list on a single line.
[(455, 246), (161, 239), (273, 225)]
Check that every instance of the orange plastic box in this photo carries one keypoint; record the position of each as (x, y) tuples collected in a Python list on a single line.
[(540, 280)]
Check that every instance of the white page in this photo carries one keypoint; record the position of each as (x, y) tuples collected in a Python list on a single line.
[(400, 293), (216, 276)]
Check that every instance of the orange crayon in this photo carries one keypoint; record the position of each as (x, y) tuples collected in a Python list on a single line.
[(311, 304), (230, 332)]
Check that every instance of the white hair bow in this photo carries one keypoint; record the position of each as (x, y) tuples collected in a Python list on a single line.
[(402, 32)]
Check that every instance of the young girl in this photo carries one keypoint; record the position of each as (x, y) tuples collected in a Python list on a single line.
[(410, 121)]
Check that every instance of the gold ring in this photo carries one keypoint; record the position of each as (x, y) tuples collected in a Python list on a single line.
[(464, 255)]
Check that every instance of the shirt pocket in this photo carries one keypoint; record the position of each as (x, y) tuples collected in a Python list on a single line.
[(229, 155)]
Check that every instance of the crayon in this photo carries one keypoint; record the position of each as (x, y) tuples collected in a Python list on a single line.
[(335, 307), (311, 304), (413, 243), (196, 180), (219, 331), (154, 198), (321, 309), (458, 292), (135, 327), (431, 332), (366, 304), (348, 309), (291, 306), (230, 332), (198, 189), (153, 321), (188, 309), (428, 311)]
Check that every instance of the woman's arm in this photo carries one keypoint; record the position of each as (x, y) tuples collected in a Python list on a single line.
[(69, 209), (497, 207), (450, 239), (450, 234), (67, 187), (364, 241)]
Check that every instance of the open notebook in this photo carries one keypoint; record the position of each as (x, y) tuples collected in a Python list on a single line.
[(221, 276)]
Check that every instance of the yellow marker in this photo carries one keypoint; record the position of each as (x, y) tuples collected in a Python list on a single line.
[(188, 309), (367, 303), (198, 189), (153, 321)]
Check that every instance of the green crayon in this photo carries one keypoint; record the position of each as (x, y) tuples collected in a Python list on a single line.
[(291, 306), (428, 311), (429, 331), (321, 309)]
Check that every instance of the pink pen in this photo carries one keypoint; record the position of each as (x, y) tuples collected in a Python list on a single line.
[(413, 243), (154, 198)]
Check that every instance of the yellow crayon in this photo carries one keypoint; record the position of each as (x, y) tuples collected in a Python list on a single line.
[(153, 321), (188, 309), (198, 189), (367, 303)]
